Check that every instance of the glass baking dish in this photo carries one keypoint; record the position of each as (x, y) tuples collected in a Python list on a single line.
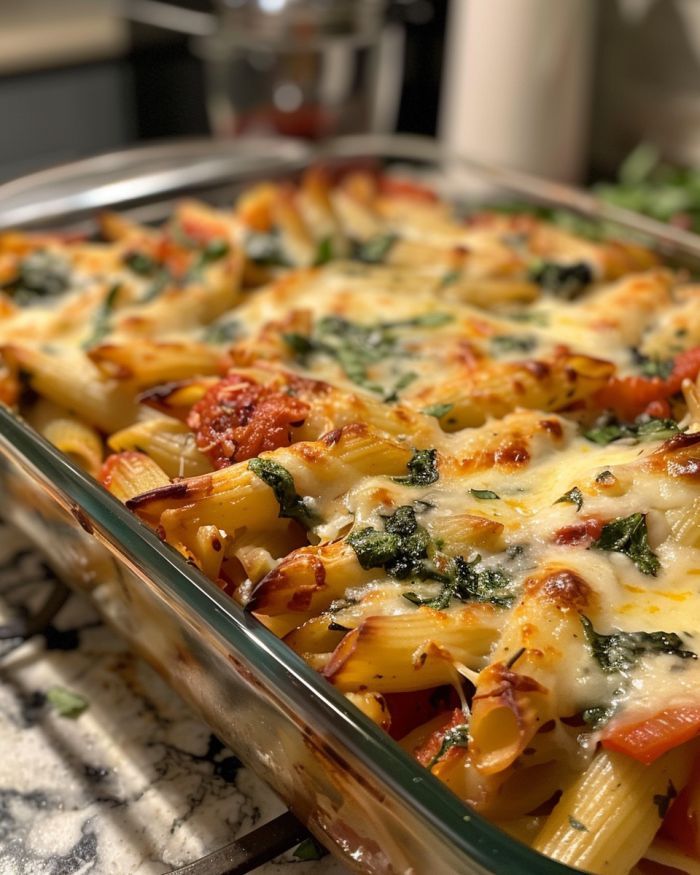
[(358, 792)]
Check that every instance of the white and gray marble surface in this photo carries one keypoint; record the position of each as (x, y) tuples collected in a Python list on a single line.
[(135, 784)]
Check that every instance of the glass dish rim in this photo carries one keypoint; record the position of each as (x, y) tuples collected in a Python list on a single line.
[(292, 679)]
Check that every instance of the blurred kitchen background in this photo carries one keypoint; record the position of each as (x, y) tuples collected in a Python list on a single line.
[(563, 89)]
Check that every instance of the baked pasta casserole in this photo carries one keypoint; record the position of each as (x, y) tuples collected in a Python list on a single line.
[(452, 458)]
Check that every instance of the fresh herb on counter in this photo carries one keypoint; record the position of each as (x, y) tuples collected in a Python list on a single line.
[(292, 505), (621, 651), (66, 703), (628, 535)]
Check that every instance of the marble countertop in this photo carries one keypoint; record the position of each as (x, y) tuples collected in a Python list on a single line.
[(132, 782)]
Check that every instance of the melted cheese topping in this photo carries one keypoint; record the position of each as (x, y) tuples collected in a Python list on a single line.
[(526, 546)]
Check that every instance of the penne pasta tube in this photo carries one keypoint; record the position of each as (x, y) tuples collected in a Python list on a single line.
[(606, 819), (418, 652), (168, 442)]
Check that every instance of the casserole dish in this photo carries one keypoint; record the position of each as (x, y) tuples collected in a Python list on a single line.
[(337, 771)]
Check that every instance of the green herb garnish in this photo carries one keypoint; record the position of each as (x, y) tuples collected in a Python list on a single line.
[(222, 332), (644, 428), (422, 469), (621, 651), (42, 274), (455, 736), (375, 249), (573, 496), (505, 343), (266, 249), (597, 715), (437, 410), (663, 800), (324, 252), (66, 703), (576, 824), (628, 535), (292, 505), (403, 381), (356, 347), (484, 494), (402, 549), (140, 263), (566, 281), (652, 367), (451, 277), (102, 324)]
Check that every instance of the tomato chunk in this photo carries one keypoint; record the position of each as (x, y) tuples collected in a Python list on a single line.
[(631, 396), (238, 419), (649, 739)]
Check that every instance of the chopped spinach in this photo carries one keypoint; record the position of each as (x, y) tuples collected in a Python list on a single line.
[(213, 251), (324, 251), (375, 249), (576, 824), (628, 535), (573, 496), (403, 381), (484, 494), (402, 549), (597, 715), (650, 366), (266, 249), (437, 410), (455, 736), (405, 550), (505, 343), (663, 800), (141, 263), (566, 281), (41, 274), (469, 582), (621, 651), (222, 332), (451, 277), (605, 477), (356, 347), (101, 326), (644, 428), (292, 505), (422, 469), (535, 317)]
